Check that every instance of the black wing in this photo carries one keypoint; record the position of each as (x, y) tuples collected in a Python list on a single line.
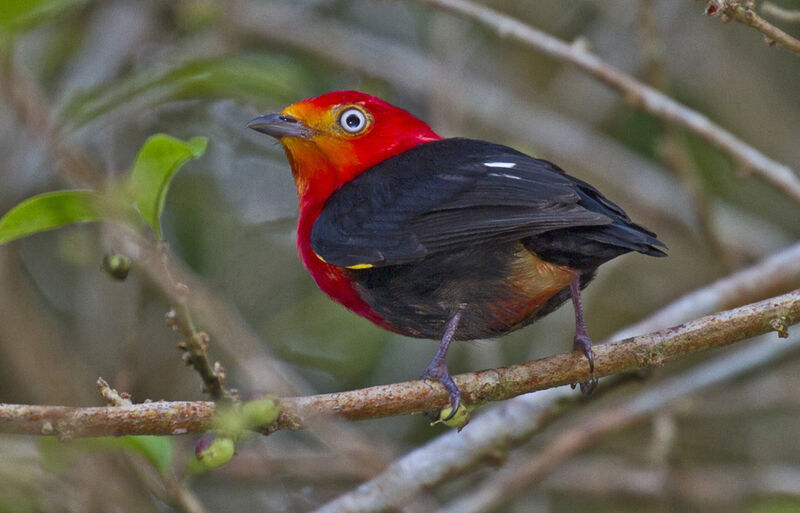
[(450, 194)]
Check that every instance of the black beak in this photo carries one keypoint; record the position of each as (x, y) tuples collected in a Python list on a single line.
[(280, 125)]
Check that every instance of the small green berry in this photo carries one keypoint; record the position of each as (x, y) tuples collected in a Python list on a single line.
[(230, 422), (458, 420), (117, 266), (214, 454), (260, 413)]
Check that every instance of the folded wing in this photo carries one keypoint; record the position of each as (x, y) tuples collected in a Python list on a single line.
[(449, 194)]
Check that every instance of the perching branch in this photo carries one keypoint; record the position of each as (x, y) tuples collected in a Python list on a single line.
[(491, 435), (645, 351), (633, 91), (742, 11), (66, 422), (584, 433), (653, 350)]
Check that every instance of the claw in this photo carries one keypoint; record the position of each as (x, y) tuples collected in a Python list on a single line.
[(438, 370), (584, 344)]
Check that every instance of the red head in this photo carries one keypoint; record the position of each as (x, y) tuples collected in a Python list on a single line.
[(333, 138)]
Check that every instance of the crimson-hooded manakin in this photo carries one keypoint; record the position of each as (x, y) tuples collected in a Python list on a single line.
[(447, 239)]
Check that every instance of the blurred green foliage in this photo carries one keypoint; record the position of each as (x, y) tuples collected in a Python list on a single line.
[(20, 15)]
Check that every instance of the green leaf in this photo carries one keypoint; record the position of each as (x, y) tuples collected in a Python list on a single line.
[(47, 211), (156, 449), (57, 456), (156, 164)]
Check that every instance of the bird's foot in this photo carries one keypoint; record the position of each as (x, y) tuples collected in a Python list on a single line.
[(584, 344), (438, 370)]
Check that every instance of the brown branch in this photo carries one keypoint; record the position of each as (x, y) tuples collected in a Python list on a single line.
[(501, 383), (66, 422), (585, 432), (633, 91), (742, 11), (491, 435), (653, 350)]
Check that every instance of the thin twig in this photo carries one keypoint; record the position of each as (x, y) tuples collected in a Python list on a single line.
[(653, 350), (634, 92), (195, 348), (787, 15), (182, 496), (112, 397), (742, 11)]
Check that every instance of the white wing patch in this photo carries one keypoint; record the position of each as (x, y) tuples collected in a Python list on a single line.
[(505, 175), (507, 165)]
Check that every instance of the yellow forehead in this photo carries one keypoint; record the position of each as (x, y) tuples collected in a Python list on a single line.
[(325, 119), (312, 115)]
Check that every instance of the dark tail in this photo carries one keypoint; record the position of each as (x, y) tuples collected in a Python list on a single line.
[(587, 247)]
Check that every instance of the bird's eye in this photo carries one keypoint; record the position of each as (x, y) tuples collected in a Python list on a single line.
[(353, 120)]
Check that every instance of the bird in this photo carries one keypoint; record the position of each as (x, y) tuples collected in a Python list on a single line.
[(442, 238)]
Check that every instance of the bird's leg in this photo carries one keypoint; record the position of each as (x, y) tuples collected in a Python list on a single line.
[(582, 340), (437, 369)]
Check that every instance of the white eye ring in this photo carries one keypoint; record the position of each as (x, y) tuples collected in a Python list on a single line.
[(353, 120)]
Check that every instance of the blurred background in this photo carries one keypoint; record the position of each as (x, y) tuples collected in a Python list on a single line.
[(84, 83)]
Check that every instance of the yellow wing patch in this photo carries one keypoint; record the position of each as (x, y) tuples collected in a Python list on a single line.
[(357, 266), (360, 266)]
